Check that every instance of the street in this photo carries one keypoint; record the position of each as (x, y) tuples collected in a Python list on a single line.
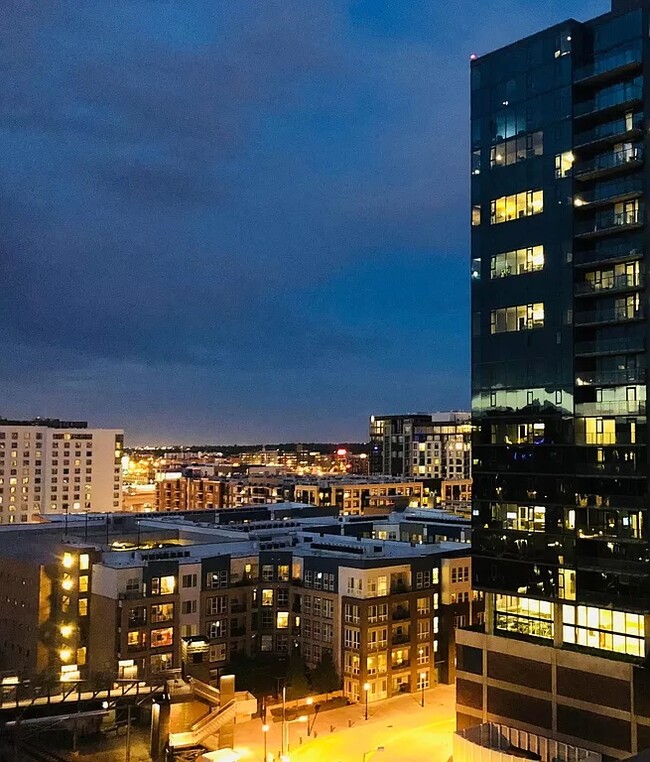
[(400, 725)]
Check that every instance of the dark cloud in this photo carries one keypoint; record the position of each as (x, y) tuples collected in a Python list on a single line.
[(261, 202)]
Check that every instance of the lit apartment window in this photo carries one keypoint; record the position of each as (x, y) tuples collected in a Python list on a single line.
[(518, 262), (162, 637), (564, 164), (516, 206), (522, 317), (604, 629), (525, 616), (163, 585), (517, 149)]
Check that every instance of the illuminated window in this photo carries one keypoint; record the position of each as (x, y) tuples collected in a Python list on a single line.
[(162, 612), (83, 607), (524, 616), (517, 149), (83, 583), (163, 585), (522, 317), (524, 204), (136, 640), (476, 215), (84, 561), (517, 262), (604, 629), (162, 637), (267, 597), (600, 431), (564, 164), (282, 620)]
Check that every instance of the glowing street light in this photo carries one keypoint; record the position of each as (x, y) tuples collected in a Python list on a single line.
[(366, 688)]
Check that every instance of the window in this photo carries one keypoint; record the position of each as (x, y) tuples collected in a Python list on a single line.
[(188, 607), (328, 608), (564, 164), (328, 632), (217, 629), (378, 638), (517, 149), (523, 317), (282, 620), (351, 613), (476, 215), (518, 262), (525, 616), (217, 605), (136, 640), (161, 662), (604, 629), (424, 605), (268, 573), (163, 612), (217, 579), (317, 606), (352, 638), (162, 637), (423, 629), (283, 596), (218, 652), (283, 573), (267, 597), (524, 204), (189, 580), (163, 585)]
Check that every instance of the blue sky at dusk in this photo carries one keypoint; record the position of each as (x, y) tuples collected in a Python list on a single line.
[(240, 221)]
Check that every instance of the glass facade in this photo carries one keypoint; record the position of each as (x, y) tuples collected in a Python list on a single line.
[(559, 352)]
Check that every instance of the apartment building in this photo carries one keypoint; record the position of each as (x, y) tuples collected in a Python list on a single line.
[(421, 446), (259, 587), (53, 466), (559, 384), (349, 494)]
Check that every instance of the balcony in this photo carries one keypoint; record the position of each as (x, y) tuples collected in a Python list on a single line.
[(609, 346), (403, 664), (610, 284), (598, 409), (608, 67), (613, 254), (400, 586), (611, 377), (608, 223), (610, 315), (606, 164), (618, 130), (623, 97), (237, 607), (400, 612), (401, 638), (610, 192)]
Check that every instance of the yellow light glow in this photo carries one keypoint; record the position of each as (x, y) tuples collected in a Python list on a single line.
[(68, 560), (265, 728), (67, 584), (65, 654), (302, 718), (66, 630), (366, 686)]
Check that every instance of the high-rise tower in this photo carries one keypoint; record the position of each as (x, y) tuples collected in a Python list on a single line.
[(560, 333)]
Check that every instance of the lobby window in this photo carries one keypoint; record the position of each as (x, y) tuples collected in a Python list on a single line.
[(522, 317), (516, 206), (518, 262), (524, 616), (604, 629), (517, 149)]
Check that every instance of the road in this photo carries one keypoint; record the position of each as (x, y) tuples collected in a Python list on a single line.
[(400, 725)]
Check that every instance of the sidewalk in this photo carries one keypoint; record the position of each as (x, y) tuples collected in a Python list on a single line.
[(385, 718)]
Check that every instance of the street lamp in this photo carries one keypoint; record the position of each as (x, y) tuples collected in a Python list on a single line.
[(367, 754), (366, 688), (309, 701), (265, 732)]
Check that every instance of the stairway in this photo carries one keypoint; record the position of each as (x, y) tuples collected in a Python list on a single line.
[(205, 727)]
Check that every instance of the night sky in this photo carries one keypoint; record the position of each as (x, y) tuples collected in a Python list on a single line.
[(240, 220)]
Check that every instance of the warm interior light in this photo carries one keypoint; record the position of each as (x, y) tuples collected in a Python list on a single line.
[(66, 630), (67, 584), (65, 654), (68, 560)]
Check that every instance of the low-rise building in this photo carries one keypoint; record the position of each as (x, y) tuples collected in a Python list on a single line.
[(116, 595)]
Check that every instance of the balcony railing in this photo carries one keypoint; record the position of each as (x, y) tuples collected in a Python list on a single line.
[(404, 664), (610, 283), (401, 612), (604, 162), (610, 346), (610, 191), (607, 254), (607, 64), (605, 100), (401, 638), (609, 130), (626, 407), (611, 377), (611, 315), (609, 222)]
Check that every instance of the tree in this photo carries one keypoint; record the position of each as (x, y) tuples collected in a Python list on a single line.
[(297, 684), (324, 678)]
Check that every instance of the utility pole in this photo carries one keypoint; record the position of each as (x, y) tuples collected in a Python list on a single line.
[(128, 733)]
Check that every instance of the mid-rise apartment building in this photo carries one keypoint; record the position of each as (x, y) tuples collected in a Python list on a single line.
[(559, 344), (52, 466), (116, 596), (349, 494), (421, 446)]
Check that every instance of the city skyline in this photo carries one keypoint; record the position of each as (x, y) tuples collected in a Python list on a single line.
[(229, 225)]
